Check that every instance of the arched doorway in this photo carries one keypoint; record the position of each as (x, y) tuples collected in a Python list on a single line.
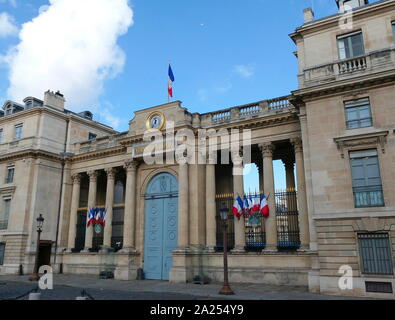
[(161, 221)]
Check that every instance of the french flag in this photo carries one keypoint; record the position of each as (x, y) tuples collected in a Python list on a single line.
[(90, 217), (256, 203), (170, 83), (98, 216), (103, 217), (238, 208), (264, 208)]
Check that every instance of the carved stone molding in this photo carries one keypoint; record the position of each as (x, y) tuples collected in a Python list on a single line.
[(297, 144), (371, 224), (92, 175), (372, 140), (111, 172), (267, 149), (76, 178), (131, 165)]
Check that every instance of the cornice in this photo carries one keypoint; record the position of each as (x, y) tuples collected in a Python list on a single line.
[(98, 154), (341, 86), (30, 154)]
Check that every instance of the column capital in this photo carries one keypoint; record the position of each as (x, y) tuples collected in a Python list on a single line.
[(297, 144), (267, 149), (130, 165), (92, 175), (76, 178), (110, 173)]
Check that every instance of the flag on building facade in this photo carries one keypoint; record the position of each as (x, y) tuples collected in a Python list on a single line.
[(90, 217), (97, 216), (170, 82), (103, 217), (264, 207), (238, 208)]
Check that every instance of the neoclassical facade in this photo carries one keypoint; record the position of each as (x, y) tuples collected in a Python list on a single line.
[(334, 135)]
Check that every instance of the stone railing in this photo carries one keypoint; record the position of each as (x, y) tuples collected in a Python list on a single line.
[(245, 112), (376, 61), (98, 143)]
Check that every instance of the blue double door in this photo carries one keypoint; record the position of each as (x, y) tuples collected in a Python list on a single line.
[(161, 222)]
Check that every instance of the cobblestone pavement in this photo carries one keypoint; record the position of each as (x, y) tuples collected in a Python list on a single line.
[(67, 287)]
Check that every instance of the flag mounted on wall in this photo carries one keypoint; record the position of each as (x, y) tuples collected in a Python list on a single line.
[(170, 82)]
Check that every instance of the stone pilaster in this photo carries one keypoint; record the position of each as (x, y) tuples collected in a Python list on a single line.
[(75, 199), (91, 204), (211, 222), (109, 207), (302, 198), (267, 150), (238, 190), (129, 227), (183, 207)]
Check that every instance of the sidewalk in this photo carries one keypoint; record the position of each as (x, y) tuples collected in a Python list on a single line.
[(242, 291)]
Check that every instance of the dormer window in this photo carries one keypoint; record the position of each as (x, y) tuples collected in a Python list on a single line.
[(350, 45), (92, 136), (8, 110)]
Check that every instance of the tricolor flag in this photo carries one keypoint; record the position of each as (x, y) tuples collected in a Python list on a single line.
[(170, 83), (264, 208), (90, 217), (103, 217), (97, 216), (256, 203), (238, 208)]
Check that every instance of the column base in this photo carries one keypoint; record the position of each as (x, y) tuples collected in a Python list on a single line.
[(105, 249), (270, 249), (238, 249), (304, 248), (210, 249), (127, 250), (86, 250)]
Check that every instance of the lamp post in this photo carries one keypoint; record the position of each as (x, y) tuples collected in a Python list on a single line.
[(40, 222), (224, 212)]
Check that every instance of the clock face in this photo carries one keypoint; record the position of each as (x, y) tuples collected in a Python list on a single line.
[(155, 121)]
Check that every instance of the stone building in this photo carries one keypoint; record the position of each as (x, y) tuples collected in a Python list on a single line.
[(338, 212)]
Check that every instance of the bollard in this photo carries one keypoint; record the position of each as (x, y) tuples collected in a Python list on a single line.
[(34, 296)]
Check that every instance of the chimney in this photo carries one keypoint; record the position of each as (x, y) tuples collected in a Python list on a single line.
[(54, 100), (308, 14)]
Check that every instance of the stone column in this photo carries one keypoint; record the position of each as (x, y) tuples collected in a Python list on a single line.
[(302, 198), (238, 190), (270, 223), (211, 222), (91, 204), (129, 225), (75, 199), (289, 165), (183, 207), (109, 204)]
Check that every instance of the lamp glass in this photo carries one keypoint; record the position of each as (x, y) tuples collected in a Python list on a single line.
[(224, 212), (40, 221)]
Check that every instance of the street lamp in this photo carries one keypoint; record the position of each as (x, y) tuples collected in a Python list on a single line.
[(40, 222), (224, 212)]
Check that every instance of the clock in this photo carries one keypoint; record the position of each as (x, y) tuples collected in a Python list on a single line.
[(156, 121)]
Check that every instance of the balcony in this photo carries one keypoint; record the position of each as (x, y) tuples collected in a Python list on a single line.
[(246, 112), (372, 62)]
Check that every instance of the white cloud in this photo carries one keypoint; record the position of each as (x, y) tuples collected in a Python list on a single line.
[(245, 71), (7, 25), (72, 47)]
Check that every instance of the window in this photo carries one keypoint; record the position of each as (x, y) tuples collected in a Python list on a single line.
[(5, 214), (366, 179), (92, 136), (10, 174), (358, 114), (375, 253), (2, 251), (350, 46), (18, 132)]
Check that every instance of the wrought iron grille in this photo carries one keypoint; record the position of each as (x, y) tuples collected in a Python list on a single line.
[(227, 200), (375, 252), (368, 196), (3, 224), (80, 232), (255, 228), (288, 237)]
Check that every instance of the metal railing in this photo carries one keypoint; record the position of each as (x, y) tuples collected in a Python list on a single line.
[(226, 200), (3, 224), (371, 196), (287, 220)]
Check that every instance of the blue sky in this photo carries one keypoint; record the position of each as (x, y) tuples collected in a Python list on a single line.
[(223, 52)]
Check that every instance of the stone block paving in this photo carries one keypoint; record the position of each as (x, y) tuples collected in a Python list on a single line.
[(67, 287)]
